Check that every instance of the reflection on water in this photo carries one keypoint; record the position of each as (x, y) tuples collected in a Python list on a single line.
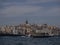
[(17, 40)]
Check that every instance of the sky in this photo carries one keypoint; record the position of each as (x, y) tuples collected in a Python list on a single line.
[(35, 11)]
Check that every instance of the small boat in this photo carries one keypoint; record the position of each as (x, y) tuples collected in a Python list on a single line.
[(41, 35)]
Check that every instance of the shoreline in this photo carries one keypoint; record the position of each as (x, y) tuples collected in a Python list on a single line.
[(13, 35)]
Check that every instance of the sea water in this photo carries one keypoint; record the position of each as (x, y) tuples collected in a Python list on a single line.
[(18, 40)]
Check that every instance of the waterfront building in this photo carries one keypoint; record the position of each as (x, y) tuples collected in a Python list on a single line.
[(14, 30), (2, 29), (34, 29), (49, 27)]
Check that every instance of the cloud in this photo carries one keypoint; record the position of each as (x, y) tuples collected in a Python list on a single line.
[(13, 8), (50, 11), (28, 0), (8, 2), (41, 1), (46, 3), (19, 10), (14, 11)]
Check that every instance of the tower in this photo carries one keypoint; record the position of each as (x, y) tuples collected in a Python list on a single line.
[(26, 22)]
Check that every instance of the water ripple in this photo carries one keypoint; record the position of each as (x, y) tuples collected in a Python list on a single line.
[(17, 40)]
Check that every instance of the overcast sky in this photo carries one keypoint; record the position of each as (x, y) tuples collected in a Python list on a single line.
[(16, 11)]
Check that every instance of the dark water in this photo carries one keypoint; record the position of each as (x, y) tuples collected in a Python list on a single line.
[(17, 40)]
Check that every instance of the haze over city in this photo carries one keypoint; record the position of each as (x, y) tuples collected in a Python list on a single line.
[(35, 11)]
